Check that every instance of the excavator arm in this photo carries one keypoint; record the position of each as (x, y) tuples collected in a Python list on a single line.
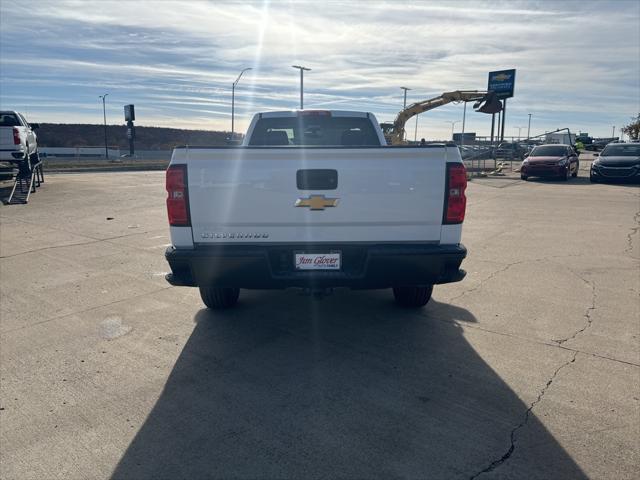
[(394, 132)]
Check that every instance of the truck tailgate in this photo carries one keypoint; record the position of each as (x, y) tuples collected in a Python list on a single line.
[(383, 194), (6, 137)]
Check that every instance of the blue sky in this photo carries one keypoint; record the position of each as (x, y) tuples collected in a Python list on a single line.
[(578, 62)]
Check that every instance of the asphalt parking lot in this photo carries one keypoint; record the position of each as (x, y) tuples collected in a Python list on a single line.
[(529, 368)]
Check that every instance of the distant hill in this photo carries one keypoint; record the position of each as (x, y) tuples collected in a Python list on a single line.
[(147, 138)]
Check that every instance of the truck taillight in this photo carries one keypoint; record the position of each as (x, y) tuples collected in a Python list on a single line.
[(178, 196), (16, 136), (455, 201)]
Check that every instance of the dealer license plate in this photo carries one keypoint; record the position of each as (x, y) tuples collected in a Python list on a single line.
[(317, 261)]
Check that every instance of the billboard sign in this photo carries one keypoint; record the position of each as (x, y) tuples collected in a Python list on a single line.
[(502, 82), (129, 113), (464, 137)]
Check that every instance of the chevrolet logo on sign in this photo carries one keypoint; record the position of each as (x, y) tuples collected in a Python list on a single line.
[(501, 77), (317, 202)]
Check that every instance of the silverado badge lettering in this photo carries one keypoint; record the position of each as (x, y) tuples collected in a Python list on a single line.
[(234, 235)]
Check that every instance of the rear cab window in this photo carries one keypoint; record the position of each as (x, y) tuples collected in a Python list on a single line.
[(314, 130), (9, 119)]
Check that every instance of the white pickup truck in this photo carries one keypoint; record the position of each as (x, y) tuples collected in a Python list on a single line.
[(315, 199), (18, 141)]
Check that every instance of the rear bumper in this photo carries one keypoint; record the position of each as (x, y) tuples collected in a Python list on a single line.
[(272, 267), (12, 154)]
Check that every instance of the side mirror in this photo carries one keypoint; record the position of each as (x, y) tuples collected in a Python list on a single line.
[(34, 126), (596, 154), (526, 154)]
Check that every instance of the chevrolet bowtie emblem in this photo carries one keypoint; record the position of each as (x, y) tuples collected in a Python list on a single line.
[(317, 202), (501, 77)]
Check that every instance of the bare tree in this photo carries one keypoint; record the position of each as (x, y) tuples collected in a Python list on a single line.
[(633, 129)]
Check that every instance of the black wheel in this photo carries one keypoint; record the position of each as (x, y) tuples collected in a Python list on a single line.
[(593, 179), (34, 158), (412, 296), (575, 174), (219, 298), (25, 165), (566, 175), (523, 177)]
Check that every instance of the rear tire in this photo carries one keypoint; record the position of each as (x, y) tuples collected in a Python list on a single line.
[(413, 297), (219, 298), (523, 177)]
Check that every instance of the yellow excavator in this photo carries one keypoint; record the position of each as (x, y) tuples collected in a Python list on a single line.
[(486, 102)]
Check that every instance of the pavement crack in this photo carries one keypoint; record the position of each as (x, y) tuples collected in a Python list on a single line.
[(52, 247), (79, 244), (587, 313), (527, 415), (634, 231), (485, 280)]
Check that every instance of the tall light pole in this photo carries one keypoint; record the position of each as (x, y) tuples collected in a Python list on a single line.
[(233, 102), (404, 104), (452, 125), (104, 115), (415, 132), (464, 116), (529, 128), (613, 131), (519, 130), (302, 69)]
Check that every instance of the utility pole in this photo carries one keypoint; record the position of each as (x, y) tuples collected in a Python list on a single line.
[(415, 132), (104, 115), (613, 131), (452, 125), (519, 130), (233, 102), (464, 115), (404, 104), (529, 128), (504, 116), (302, 69)]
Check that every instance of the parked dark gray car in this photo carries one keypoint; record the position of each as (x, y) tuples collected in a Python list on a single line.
[(618, 161), (510, 151)]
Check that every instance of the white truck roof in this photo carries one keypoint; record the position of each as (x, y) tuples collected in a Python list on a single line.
[(333, 113)]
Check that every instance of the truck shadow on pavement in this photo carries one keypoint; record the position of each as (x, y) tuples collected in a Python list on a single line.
[(350, 387)]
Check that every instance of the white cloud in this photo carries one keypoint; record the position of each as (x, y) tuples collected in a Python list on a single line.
[(578, 63)]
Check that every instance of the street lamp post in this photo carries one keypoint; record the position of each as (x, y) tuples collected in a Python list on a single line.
[(104, 116), (233, 102), (302, 69), (519, 130), (452, 125), (404, 104), (613, 132), (529, 128), (464, 116)]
